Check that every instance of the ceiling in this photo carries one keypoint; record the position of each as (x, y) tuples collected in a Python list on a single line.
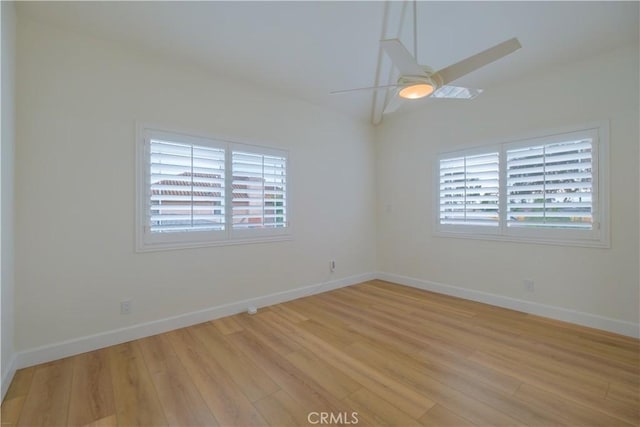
[(306, 49)]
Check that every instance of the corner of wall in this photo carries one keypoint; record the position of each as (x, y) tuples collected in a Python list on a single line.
[(7, 144)]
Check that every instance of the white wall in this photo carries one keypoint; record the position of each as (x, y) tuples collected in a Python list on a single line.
[(77, 104), (599, 282), (7, 191)]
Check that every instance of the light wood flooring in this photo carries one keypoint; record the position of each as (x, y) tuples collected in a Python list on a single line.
[(376, 353)]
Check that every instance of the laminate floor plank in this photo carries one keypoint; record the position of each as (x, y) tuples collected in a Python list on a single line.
[(370, 409), (289, 313), (557, 386), (227, 325), (281, 343), (21, 383), (228, 404), (392, 298), (443, 393), (624, 393), (337, 337), (567, 410), (329, 378), (312, 311), (109, 421), (10, 411), (439, 416), (47, 402), (588, 367), (280, 409), (91, 388), (252, 380), (136, 400), (182, 403), (405, 330), (443, 372)]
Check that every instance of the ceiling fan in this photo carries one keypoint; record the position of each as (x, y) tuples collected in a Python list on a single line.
[(418, 81)]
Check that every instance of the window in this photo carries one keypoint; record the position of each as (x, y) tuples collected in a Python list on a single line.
[(469, 190), (195, 191), (547, 189), (186, 184), (259, 190)]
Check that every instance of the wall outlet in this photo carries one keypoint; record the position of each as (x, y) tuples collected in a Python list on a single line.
[(332, 265), (528, 285), (125, 307)]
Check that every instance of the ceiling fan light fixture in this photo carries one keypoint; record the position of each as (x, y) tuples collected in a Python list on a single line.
[(417, 91)]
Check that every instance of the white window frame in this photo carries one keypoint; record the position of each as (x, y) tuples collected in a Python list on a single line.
[(146, 241), (598, 236)]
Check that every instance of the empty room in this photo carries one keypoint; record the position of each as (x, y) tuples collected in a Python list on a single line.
[(299, 213)]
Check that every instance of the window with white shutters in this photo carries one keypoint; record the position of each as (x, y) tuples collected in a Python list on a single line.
[(546, 189), (195, 191), (469, 190), (186, 187), (259, 190), (551, 185)]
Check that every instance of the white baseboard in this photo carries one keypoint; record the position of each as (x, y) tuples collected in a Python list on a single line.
[(80, 345), (75, 346), (572, 316), (7, 377)]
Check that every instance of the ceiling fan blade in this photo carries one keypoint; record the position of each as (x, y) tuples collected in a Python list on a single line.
[(472, 63), (393, 104), (337, 92), (401, 58), (456, 92)]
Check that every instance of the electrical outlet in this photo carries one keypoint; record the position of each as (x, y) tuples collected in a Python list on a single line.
[(528, 285), (332, 265), (125, 307)]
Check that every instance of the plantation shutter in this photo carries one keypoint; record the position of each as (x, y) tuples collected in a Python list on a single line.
[(186, 187), (550, 185), (469, 190), (259, 190)]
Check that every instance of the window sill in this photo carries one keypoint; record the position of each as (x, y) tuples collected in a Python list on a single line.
[(602, 244), (147, 247)]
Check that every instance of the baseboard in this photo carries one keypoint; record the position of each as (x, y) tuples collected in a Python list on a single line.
[(572, 316), (80, 345), (7, 377)]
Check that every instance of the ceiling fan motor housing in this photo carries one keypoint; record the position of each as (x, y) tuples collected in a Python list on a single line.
[(429, 78)]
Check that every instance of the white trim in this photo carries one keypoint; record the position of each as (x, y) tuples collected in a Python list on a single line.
[(597, 237), (80, 345), (148, 242), (7, 377), (567, 315)]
